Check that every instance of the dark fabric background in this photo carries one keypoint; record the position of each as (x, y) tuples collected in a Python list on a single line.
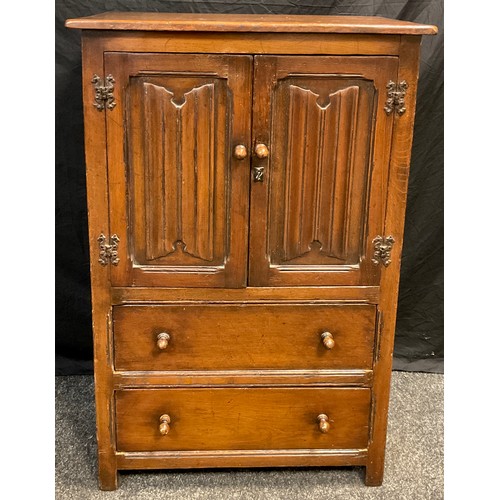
[(419, 332)]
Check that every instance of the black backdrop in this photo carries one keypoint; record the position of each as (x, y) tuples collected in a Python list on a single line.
[(419, 330)]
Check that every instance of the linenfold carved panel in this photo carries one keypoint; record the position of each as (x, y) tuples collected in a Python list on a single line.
[(179, 171), (177, 204), (322, 141)]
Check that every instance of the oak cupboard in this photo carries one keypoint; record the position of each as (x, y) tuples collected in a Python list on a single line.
[(246, 181)]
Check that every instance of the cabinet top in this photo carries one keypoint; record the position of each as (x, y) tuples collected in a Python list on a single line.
[(162, 21)]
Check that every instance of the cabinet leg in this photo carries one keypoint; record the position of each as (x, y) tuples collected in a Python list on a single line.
[(108, 475), (374, 474)]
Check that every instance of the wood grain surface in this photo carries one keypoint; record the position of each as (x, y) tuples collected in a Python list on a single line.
[(316, 294), (161, 21), (394, 225), (241, 419), (243, 337), (97, 180), (246, 43), (240, 458), (322, 200), (176, 184)]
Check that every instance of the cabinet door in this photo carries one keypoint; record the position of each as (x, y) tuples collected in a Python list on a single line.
[(319, 198), (178, 198)]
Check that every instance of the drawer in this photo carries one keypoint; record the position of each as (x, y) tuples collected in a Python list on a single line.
[(242, 418), (247, 337)]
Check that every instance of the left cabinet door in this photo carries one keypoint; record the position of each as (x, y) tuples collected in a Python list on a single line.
[(178, 196)]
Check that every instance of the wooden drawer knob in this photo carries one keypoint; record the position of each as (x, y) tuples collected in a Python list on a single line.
[(261, 151), (327, 339), (240, 152), (164, 427), (162, 340), (323, 424)]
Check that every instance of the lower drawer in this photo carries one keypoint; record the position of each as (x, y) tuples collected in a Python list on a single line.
[(242, 418)]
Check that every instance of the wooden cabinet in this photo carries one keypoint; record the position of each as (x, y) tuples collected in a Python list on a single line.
[(246, 181)]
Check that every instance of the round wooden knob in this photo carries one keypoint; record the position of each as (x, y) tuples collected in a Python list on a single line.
[(323, 424), (162, 340), (327, 339), (164, 427), (261, 151), (240, 152)]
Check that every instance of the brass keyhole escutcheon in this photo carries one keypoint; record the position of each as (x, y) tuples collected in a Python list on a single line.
[(258, 174)]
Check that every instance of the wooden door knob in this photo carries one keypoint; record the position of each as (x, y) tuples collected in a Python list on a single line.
[(240, 152), (162, 340), (327, 339), (261, 151), (323, 423), (164, 427)]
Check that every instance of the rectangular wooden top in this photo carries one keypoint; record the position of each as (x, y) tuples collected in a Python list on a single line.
[(270, 23)]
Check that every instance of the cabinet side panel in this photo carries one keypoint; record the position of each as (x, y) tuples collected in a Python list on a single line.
[(97, 201), (394, 226)]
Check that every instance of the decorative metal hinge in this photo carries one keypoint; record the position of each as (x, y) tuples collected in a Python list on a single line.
[(108, 251), (396, 93), (382, 250), (104, 92)]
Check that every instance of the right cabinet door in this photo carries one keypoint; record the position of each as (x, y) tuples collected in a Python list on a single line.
[(318, 196)]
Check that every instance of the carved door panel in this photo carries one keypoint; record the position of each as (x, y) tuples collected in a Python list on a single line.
[(178, 198), (317, 202)]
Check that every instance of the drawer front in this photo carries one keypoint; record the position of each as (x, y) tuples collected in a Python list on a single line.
[(241, 419), (232, 337)]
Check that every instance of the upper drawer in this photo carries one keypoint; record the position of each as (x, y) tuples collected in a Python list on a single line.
[(245, 337)]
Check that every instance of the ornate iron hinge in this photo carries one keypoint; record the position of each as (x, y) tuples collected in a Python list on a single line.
[(108, 251), (104, 92), (396, 93), (382, 246)]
